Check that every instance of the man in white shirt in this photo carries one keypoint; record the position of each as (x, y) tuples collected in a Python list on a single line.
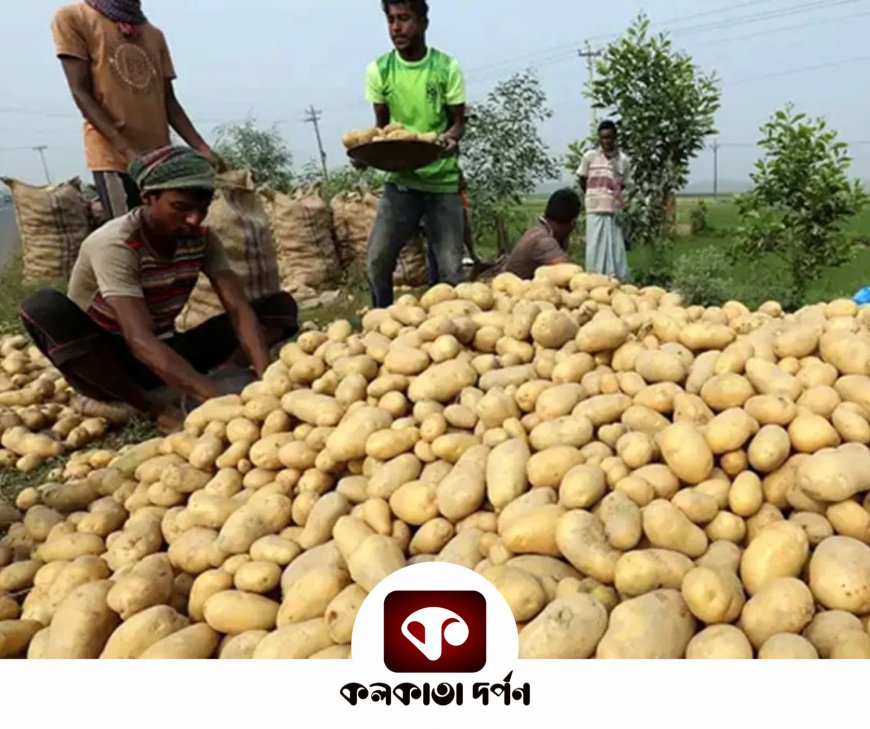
[(604, 174)]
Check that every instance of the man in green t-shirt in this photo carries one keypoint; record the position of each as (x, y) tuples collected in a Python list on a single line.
[(422, 89)]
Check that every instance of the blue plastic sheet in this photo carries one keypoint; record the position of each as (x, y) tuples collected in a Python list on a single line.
[(862, 297)]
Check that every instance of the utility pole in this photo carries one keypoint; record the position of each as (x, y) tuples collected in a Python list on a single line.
[(313, 117), (716, 148), (41, 150), (590, 57)]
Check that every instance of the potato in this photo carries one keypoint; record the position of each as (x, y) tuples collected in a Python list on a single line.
[(582, 487), (235, 612), (782, 605), (257, 577), (645, 570), (256, 519), (82, 623), (655, 625), (70, 547), (9, 609), (241, 646), (686, 453), (522, 591), (548, 468), (769, 449), (15, 636), (296, 641), (570, 627), (668, 528), (136, 635), (373, 560), (787, 646), (387, 478), (463, 490), (852, 645), (432, 537), (341, 613), (311, 407), (836, 475), (778, 550), (713, 595), (582, 541), (19, 575), (442, 382), (310, 596), (506, 472), (726, 391), (746, 496), (149, 583), (195, 642), (827, 627), (850, 519), (839, 575), (534, 531), (719, 642), (564, 431), (622, 521)]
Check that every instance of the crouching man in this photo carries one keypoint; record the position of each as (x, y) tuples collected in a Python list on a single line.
[(114, 336)]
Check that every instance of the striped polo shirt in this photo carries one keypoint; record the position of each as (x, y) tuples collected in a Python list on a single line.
[(116, 261)]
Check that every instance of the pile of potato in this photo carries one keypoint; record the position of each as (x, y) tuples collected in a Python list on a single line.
[(36, 422), (638, 478), (390, 133)]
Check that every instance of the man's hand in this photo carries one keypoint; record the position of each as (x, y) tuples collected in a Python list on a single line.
[(358, 165), (215, 159), (449, 145)]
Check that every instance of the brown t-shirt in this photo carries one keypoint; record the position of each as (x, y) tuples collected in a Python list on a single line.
[(129, 78), (536, 248)]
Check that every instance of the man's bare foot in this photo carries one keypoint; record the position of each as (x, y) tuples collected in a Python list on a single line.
[(115, 413), (169, 420)]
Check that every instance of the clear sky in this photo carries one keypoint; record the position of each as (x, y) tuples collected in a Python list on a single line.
[(272, 58)]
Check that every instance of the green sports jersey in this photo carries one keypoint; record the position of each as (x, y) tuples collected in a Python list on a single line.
[(418, 94)]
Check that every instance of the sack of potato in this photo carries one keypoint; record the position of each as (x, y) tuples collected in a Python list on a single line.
[(37, 421), (390, 133), (638, 478)]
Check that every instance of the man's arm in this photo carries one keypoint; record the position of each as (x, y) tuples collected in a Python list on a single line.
[(78, 76), (245, 323), (382, 115), (174, 370), (457, 117), (180, 122), (584, 184)]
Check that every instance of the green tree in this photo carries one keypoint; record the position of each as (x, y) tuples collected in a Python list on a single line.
[(264, 152), (665, 107), (802, 197), (503, 156)]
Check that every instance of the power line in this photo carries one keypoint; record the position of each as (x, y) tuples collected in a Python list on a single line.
[(793, 71), (569, 47), (556, 54)]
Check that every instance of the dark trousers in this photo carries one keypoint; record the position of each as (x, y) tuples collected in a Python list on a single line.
[(399, 216), (66, 334)]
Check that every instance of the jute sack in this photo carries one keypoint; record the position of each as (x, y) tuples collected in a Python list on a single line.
[(239, 219), (52, 222), (302, 229), (353, 215)]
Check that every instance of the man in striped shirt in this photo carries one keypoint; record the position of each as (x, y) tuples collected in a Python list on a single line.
[(114, 337), (604, 174)]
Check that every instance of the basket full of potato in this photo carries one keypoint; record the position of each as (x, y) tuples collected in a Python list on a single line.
[(392, 148)]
